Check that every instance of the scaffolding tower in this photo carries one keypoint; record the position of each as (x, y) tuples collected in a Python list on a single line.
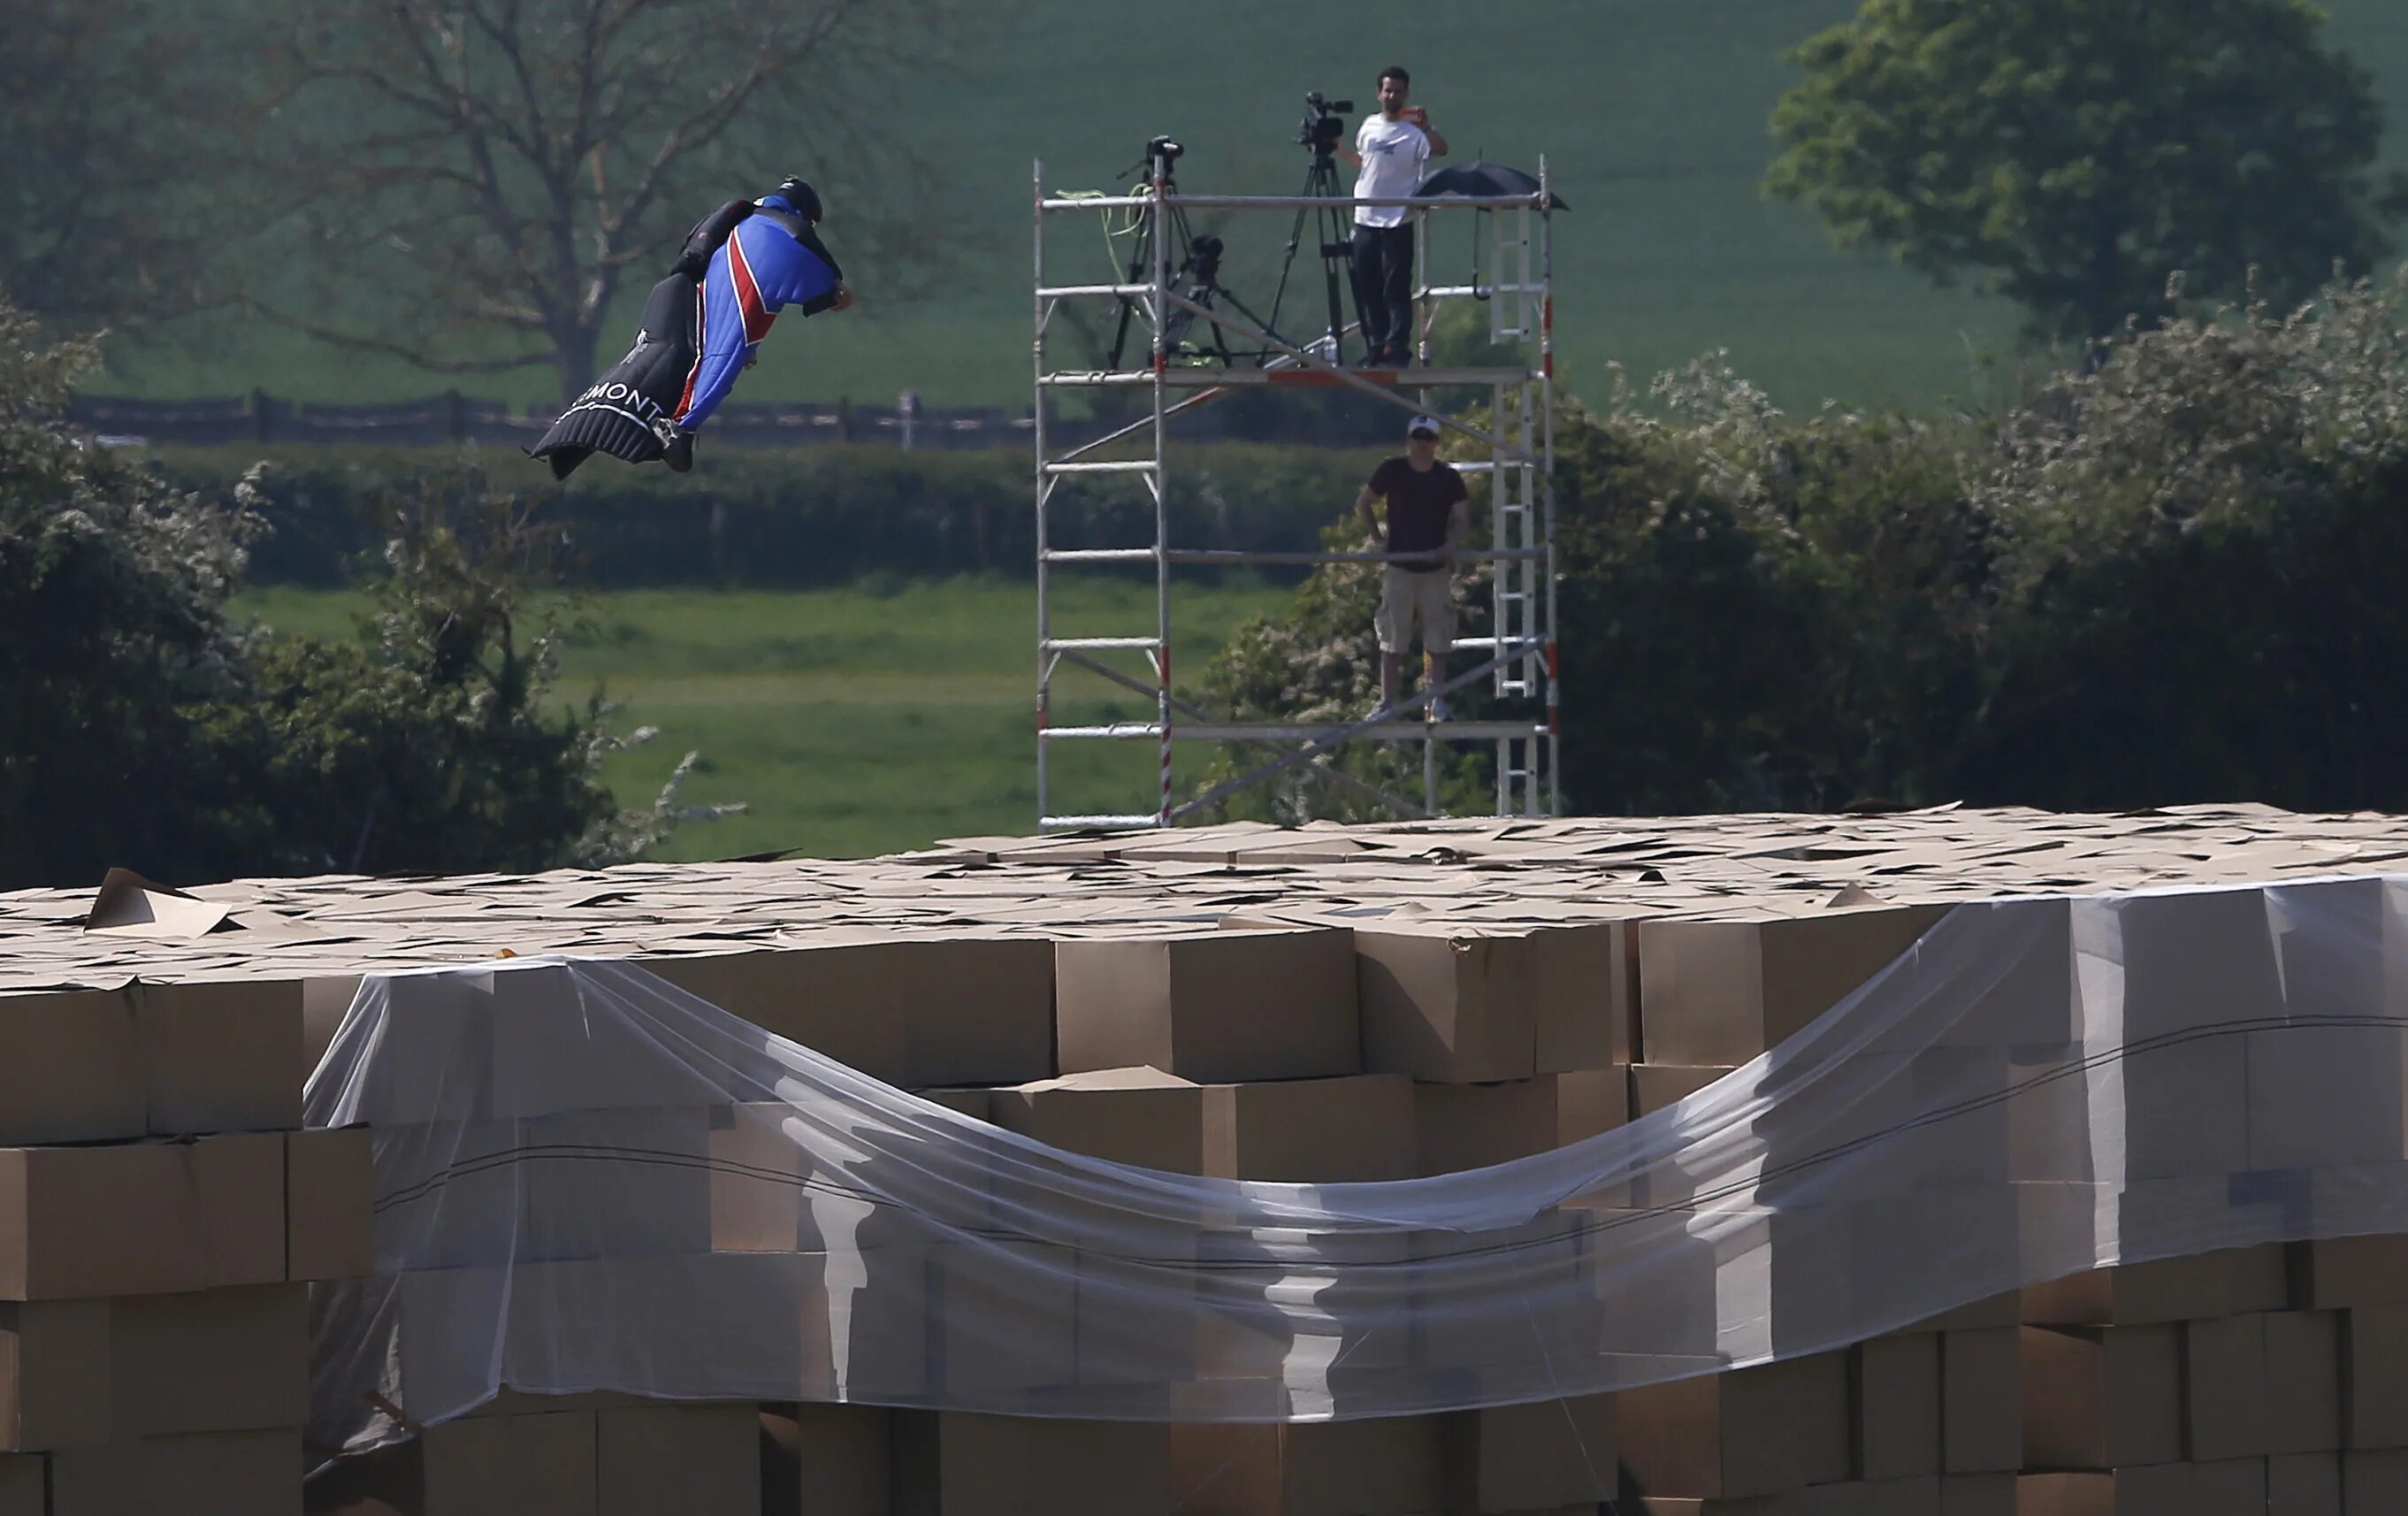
[(1519, 655)]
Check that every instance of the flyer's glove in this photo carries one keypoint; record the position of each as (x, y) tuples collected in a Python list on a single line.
[(677, 445)]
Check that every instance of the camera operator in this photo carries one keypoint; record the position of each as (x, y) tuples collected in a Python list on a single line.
[(1392, 149)]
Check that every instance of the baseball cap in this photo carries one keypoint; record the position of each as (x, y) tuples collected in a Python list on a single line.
[(1421, 426)]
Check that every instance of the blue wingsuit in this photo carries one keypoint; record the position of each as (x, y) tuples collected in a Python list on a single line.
[(763, 267), (739, 267)]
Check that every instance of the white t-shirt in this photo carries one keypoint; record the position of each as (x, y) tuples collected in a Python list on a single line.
[(1394, 154)]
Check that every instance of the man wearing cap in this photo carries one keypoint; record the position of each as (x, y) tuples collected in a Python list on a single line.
[(1428, 521)]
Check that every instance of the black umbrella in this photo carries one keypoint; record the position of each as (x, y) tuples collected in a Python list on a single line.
[(1481, 177)]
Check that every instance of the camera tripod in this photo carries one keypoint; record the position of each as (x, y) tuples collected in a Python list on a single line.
[(1331, 220), (1197, 272)]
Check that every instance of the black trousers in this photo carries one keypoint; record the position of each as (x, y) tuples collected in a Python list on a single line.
[(1383, 288)]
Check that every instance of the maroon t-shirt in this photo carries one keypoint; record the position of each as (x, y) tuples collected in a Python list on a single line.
[(1419, 503)]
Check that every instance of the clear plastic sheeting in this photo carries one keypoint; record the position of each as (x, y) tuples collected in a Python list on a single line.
[(587, 1180)]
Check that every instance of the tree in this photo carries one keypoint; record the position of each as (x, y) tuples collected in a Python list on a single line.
[(2194, 593), (108, 216), (500, 168), (2085, 152), (146, 726)]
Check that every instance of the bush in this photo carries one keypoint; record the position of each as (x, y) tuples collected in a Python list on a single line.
[(144, 727), (2166, 579)]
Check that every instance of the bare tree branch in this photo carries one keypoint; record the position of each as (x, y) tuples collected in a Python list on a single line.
[(512, 164), (354, 342)]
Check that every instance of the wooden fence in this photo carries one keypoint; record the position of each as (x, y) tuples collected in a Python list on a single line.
[(453, 417)]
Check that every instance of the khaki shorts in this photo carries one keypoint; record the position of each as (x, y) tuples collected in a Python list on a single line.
[(1408, 595)]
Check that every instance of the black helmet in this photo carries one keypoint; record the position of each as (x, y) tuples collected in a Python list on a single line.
[(805, 200)]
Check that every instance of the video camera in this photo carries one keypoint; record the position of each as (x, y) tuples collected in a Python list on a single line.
[(1325, 123), (1160, 153)]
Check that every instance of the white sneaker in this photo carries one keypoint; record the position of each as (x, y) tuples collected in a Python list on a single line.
[(1438, 709)]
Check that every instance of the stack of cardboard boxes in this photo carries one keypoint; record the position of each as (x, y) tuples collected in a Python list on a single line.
[(1320, 1024), (161, 1213)]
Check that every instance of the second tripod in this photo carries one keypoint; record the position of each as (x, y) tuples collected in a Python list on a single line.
[(1196, 272), (1333, 228)]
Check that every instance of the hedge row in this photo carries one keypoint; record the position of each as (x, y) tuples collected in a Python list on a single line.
[(794, 520)]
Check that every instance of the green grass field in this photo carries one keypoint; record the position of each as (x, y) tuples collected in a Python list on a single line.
[(1653, 114), (850, 722)]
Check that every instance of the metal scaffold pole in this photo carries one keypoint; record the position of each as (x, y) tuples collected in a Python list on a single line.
[(1197, 351)]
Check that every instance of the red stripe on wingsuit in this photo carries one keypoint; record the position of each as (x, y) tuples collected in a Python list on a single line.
[(748, 293), (701, 311)]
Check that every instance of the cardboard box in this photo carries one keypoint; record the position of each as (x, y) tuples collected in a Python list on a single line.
[(1383, 1466), (2180, 962), (1003, 1320), (1449, 1004), (1357, 1126), (2160, 1490), (2200, 1287), (2181, 1100), (1977, 1494), (870, 1323), (1305, 1321), (219, 1057), (1884, 1497), (329, 1204), (1356, 1129), (2374, 1484), (827, 1461), (1217, 1007), (240, 1179), (1980, 1401), (55, 1386), (808, 995), (1473, 1126), (2337, 1273), (694, 1460), (211, 1474), (22, 1478), (141, 1218), (1744, 1432), (2373, 1352), (216, 1361), (2302, 1381), (2303, 1484), (976, 1009), (2067, 1495), (325, 1000), (1139, 1116), (2225, 1387), (70, 1068), (1724, 1283), (1656, 1086), (1530, 1457), (964, 1008), (511, 1465), (777, 1313), (1581, 979), (1723, 991), (2228, 1487), (2321, 1096), (2101, 1397), (1590, 1103), (916, 1011), (1894, 1394), (612, 1183), (756, 1185), (951, 1464)]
